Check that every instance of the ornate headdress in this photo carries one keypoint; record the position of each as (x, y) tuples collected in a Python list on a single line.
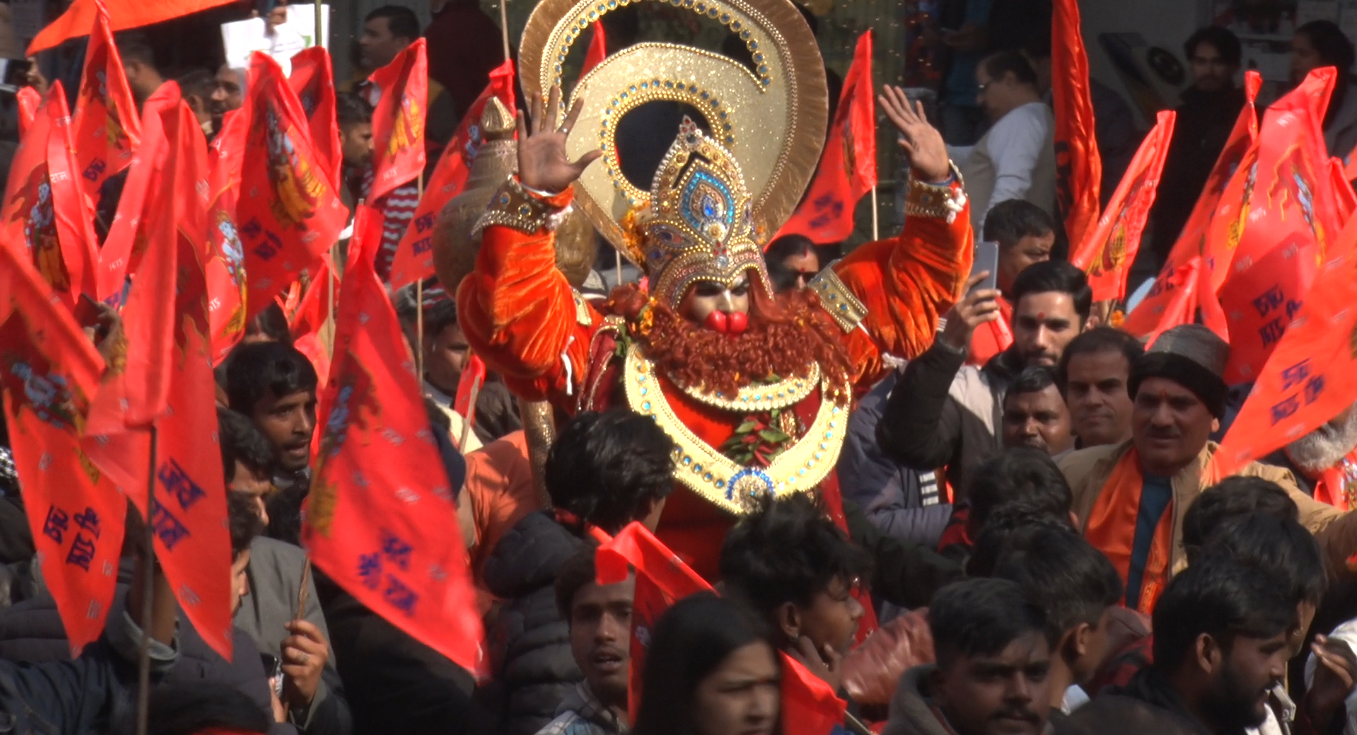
[(716, 196)]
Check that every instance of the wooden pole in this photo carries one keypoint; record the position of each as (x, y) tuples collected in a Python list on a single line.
[(304, 591), (617, 254), (147, 602), (419, 309), (470, 415)]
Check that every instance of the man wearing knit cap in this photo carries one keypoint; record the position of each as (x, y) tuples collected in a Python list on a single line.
[(1131, 497)]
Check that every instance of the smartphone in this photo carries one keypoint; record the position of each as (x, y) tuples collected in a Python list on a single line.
[(986, 259), (273, 671), (14, 74)]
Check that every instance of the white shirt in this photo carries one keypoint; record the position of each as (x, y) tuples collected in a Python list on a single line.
[(1014, 160)]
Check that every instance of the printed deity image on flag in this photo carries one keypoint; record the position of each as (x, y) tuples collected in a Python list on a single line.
[(297, 187), (233, 257), (40, 230), (409, 128), (1291, 184), (355, 406)]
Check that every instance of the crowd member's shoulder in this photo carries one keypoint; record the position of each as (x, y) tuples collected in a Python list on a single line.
[(1079, 464), (1112, 714)]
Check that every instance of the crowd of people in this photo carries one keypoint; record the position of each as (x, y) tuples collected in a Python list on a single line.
[(951, 540)]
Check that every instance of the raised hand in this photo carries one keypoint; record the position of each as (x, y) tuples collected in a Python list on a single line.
[(542, 163), (978, 307), (921, 142)]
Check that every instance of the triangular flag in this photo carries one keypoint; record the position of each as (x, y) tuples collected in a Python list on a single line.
[(107, 124), (398, 154), (313, 80), (1079, 167), (78, 20)]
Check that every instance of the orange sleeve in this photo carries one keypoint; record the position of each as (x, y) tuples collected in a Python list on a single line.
[(517, 310), (907, 283)]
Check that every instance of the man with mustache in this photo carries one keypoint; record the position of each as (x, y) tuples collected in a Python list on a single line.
[(993, 672), (1179, 397), (1325, 460)]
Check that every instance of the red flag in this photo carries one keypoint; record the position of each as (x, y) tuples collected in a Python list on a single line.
[(809, 705), (313, 80), (398, 154), (157, 399), (414, 256), (1110, 249), (306, 323), (46, 217), (991, 338), (126, 241), (107, 126), (288, 213), (1286, 230), (1079, 167), (224, 257), (49, 371), (381, 520), (1311, 375), (598, 50), (29, 100), (78, 20), (473, 377), (848, 166)]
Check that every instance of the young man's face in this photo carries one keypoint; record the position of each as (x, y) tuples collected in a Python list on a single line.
[(1210, 71), (1003, 694), (1043, 323), (240, 582), (445, 357), (288, 423), (1015, 258), (832, 618), (600, 637), (228, 94), (356, 143), (1038, 420), (1095, 649), (1095, 391), (255, 485), (378, 46), (1249, 670)]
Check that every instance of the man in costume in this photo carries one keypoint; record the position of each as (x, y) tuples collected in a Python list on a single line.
[(755, 390)]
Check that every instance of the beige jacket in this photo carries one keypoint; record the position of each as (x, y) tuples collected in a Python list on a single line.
[(1087, 470)]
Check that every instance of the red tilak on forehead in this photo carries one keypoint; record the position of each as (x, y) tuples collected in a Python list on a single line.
[(1041, 315), (1163, 394)]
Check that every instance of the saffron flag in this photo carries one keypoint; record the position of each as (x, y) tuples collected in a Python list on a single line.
[(991, 338), (1311, 375), (308, 322), (1079, 167), (224, 255), (45, 217), (598, 50), (398, 154), (79, 18), (1287, 229), (1148, 317), (1109, 250), (107, 125), (126, 241), (288, 213), (414, 256), (29, 101), (313, 80), (154, 418), (49, 372), (381, 520), (848, 166)]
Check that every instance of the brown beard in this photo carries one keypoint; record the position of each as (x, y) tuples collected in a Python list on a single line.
[(786, 336)]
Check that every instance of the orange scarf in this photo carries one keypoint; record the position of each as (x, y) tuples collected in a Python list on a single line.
[(1337, 485)]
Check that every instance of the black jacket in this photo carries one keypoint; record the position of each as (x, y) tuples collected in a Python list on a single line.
[(529, 642)]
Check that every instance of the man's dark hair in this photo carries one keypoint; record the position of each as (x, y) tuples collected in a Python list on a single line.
[(1094, 341), (788, 550), (1017, 474), (576, 571), (1278, 545), (1061, 572), (1033, 379), (606, 467), (1055, 276), (1221, 39), (1331, 43), (980, 617), (272, 323), (1006, 522), (1234, 498), (1220, 597), (256, 370), (197, 83), (1013, 219), (787, 246), (352, 109), (135, 46), (243, 521), (402, 22), (1003, 62), (242, 442)]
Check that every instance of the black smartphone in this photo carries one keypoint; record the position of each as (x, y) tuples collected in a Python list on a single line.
[(986, 260), (273, 671), (16, 72)]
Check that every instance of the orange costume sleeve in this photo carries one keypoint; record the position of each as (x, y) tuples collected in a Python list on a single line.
[(903, 285), (517, 310)]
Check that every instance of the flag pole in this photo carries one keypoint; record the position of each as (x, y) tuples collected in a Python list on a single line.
[(504, 26), (876, 217), (319, 30), (147, 601), (419, 310), (618, 255)]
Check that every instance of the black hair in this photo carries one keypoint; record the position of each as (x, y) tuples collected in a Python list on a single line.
[(1013, 219), (1096, 340), (1003, 524), (689, 642), (575, 572), (1223, 40), (352, 109), (788, 550), (242, 442), (439, 315), (1061, 572), (606, 467), (1278, 545), (193, 707), (788, 246), (782, 277), (1332, 45), (197, 83), (980, 617), (402, 22), (1033, 379), (135, 46), (1019, 473), (1232, 498), (1055, 276), (1220, 597), (1001, 63), (255, 370), (243, 521), (272, 323)]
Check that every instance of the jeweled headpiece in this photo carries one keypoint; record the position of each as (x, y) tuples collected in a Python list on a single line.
[(717, 195)]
